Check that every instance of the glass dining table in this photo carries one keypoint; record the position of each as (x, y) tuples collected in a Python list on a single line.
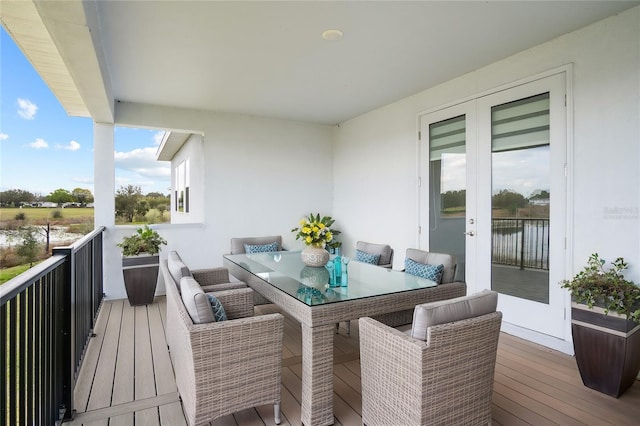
[(304, 293)]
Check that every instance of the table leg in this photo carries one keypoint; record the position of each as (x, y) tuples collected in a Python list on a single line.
[(317, 375)]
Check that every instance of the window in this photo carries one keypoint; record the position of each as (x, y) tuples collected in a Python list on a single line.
[(182, 187)]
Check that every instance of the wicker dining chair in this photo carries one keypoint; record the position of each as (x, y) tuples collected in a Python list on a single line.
[(239, 245), (383, 250), (448, 288), (385, 260), (227, 366), (441, 374)]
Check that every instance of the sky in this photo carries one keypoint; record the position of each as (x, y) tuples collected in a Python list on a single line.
[(525, 171), (43, 149)]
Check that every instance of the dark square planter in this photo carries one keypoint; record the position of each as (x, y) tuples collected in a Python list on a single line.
[(140, 278), (607, 349)]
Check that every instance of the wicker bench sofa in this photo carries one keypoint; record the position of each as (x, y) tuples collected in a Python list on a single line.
[(226, 366)]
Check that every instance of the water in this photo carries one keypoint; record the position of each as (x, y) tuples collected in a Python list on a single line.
[(57, 235)]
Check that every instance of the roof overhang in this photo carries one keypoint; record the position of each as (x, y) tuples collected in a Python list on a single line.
[(57, 38), (170, 145)]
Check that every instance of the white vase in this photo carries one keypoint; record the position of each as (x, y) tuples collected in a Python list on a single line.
[(314, 256)]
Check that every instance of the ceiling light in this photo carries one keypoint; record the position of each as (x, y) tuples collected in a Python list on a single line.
[(332, 35)]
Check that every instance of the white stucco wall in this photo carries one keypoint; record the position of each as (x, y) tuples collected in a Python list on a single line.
[(375, 167), (259, 177), (193, 150)]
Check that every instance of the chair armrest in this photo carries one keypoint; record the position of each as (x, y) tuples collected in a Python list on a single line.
[(211, 276), (237, 303), (374, 335)]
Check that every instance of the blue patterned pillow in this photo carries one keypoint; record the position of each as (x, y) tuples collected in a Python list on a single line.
[(430, 272), (217, 308), (365, 257), (260, 248)]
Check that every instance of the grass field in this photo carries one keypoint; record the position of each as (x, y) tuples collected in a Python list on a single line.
[(8, 273), (42, 213)]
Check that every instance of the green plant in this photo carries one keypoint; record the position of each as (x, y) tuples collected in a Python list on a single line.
[(316, 231), (596, 285), (29, 248), (144, 240), (21, 216)]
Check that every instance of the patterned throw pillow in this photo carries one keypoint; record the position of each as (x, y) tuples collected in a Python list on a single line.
[(362, 256), (260, 248), (430, 272), (216, 307)]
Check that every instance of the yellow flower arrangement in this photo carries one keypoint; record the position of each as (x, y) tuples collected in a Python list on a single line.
[(315, 231)]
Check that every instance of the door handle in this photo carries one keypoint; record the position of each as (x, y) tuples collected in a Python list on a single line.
[(470, 233)]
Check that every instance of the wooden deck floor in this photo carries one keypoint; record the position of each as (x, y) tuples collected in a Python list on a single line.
[(127, 379)]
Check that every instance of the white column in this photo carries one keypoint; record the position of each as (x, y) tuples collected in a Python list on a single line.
[(104, 175), (105, 205)]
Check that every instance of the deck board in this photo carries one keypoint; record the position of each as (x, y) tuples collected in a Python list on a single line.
[(102, 388), (127, 379)]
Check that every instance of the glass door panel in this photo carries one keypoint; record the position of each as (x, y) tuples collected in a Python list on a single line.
[(520, 201), (447, 189)]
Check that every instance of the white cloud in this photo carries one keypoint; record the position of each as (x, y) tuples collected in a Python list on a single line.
[(27, 109), (143, 162), (71, 146), (157, 137), (39, 143), (85, 180), (4, 136)]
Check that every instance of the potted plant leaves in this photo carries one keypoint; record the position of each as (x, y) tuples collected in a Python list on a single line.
[(605, 324), (140, 264)]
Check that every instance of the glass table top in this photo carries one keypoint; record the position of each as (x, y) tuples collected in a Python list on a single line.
[(285, 271)]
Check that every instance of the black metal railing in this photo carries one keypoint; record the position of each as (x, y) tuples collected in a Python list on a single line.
[(47, 315), (520, 242)]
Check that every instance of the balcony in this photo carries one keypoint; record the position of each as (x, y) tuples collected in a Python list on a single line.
[(114, 367)]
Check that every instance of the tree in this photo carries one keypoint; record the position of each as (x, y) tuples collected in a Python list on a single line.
[(29, 248), (82, 196), (157, 201), (155, 195), (454, 199), (60, 196), (540, 194), (15, 197), (509, 200), (127, 198), (142, 208)]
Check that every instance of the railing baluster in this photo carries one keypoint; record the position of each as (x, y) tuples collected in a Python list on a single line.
[(520, 242), (22, 357), (13, 348), (37, 346), (30, 292), (4, 364)]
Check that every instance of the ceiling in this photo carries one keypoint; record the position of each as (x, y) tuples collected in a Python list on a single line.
[(269, 59)]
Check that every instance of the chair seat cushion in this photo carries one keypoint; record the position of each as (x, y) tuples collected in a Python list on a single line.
[(445, 311), (362, 256), (430, 272), (196, 301), (177, 268), (261, 248), (218, 310)]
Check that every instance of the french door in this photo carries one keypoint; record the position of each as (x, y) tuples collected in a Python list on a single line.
[(495, 196)]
